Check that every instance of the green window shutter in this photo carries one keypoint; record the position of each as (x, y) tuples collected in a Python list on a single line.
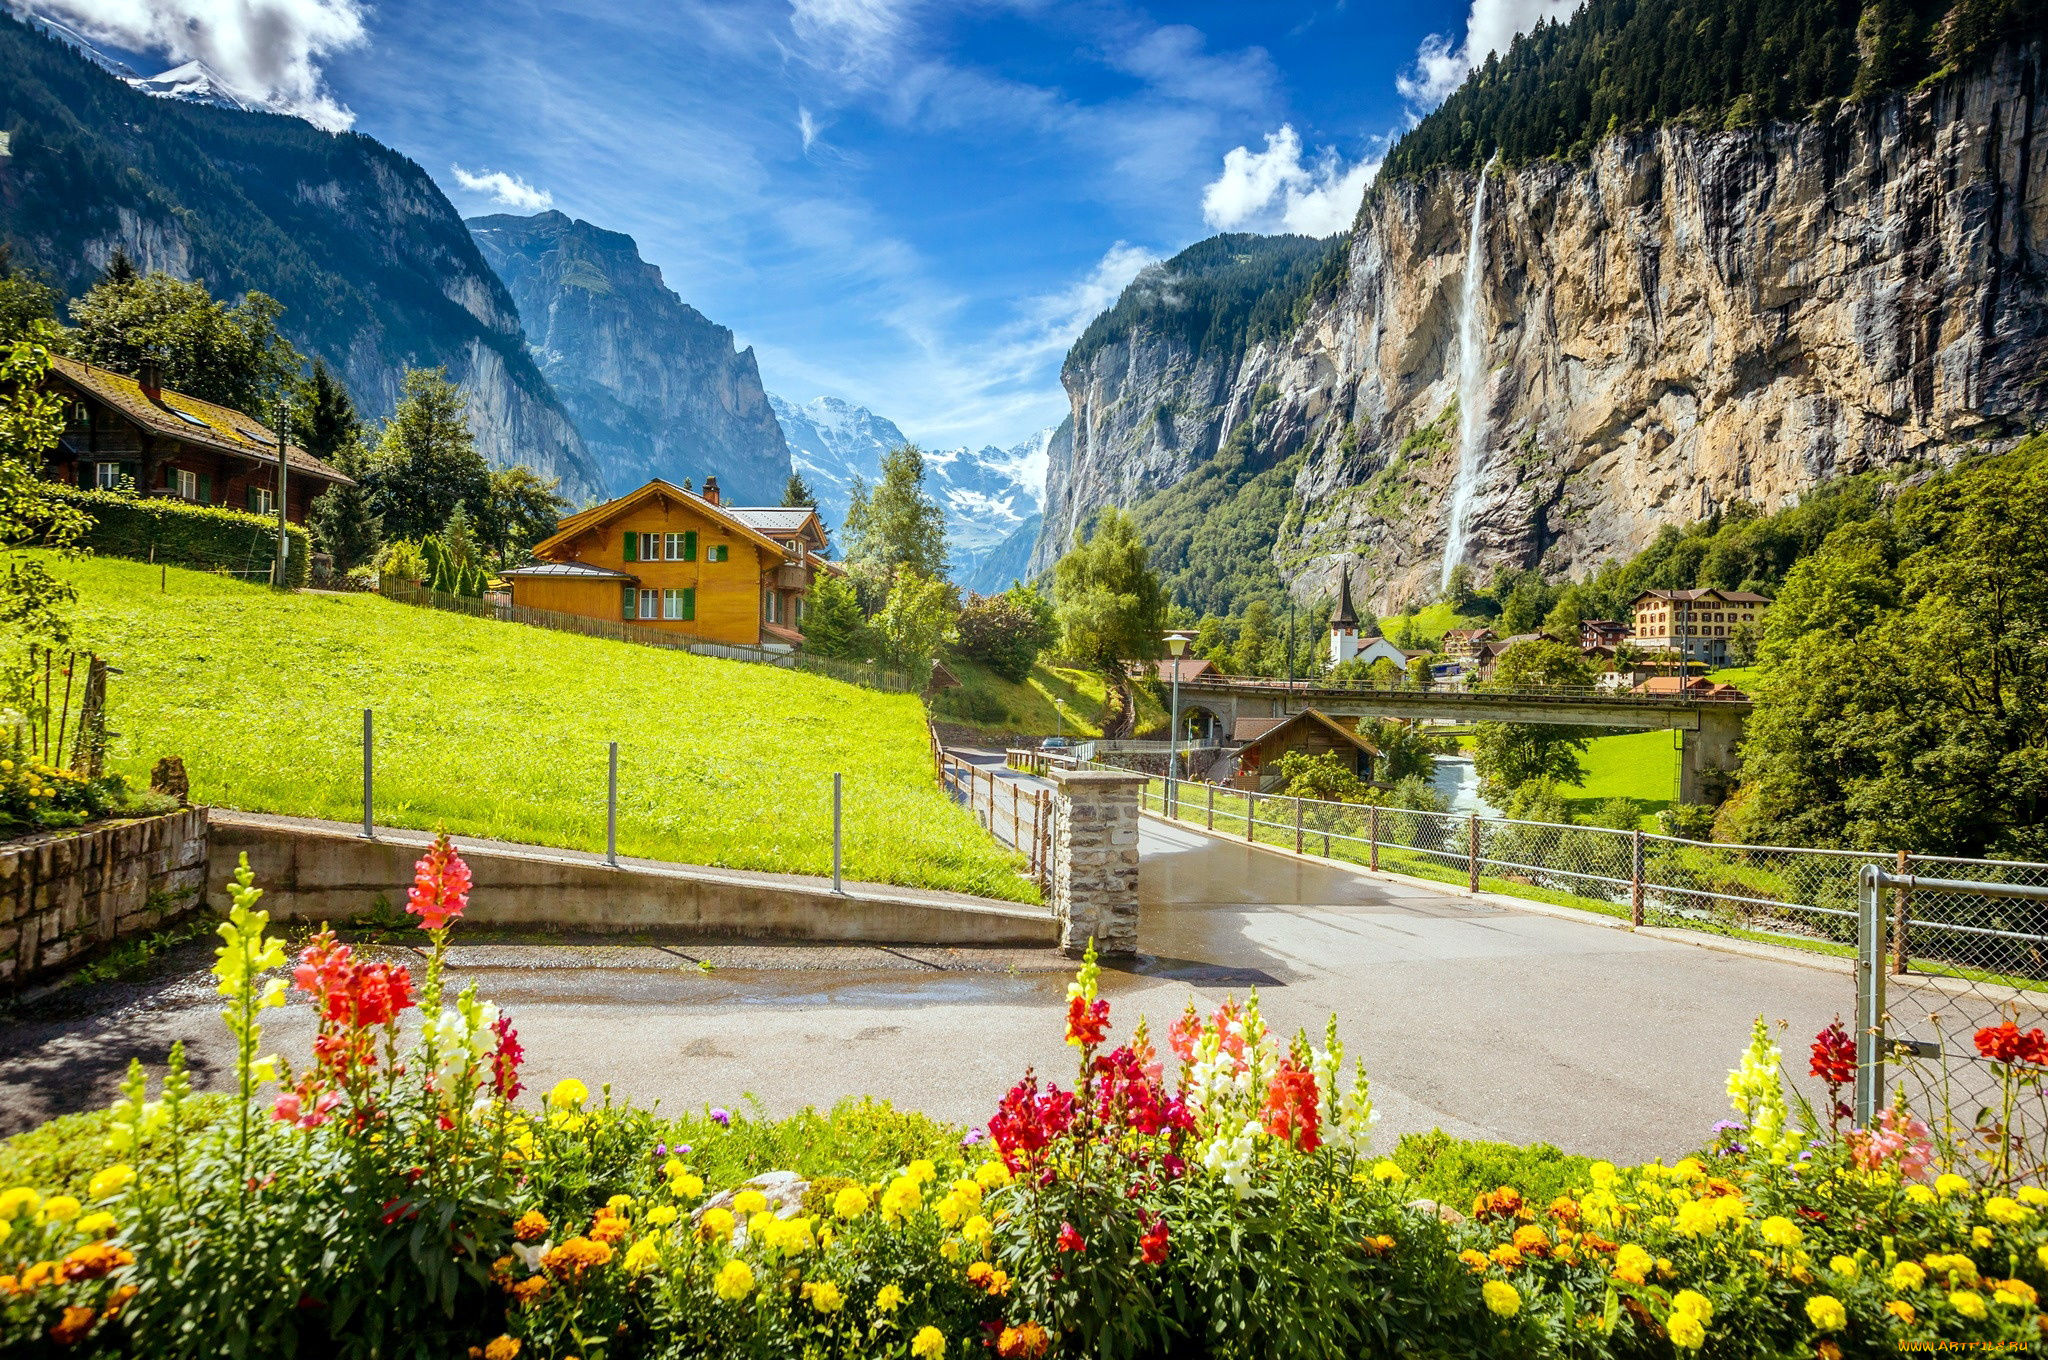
[(690, 546), (632, 551), (252, 499), (627, 601), (689, 602), (206, 488)]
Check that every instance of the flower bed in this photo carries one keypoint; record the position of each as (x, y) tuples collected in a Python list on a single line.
[(390, 1198)]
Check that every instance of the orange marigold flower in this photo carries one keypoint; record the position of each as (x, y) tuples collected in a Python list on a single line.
[(575, 1255), (531, 1227), (94, 1260), (1506, 1255), (1023, 1343), (1505, 1202), (1378, 1244), (978, 1273), (1830, 1351), (1565, 1209), (119, 1299), (608, 1229), (72, 1327), (1531, 1240), (39, 1274), (530, 1288), (1476, 1261)]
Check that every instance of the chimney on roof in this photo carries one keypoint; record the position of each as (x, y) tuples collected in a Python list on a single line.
[(150, 378), (711, 489)]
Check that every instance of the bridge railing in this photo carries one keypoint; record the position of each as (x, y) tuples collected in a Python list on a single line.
[(1770, 893), (1415, 690)]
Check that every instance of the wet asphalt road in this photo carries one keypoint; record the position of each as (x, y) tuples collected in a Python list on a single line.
[(1482, 1021)]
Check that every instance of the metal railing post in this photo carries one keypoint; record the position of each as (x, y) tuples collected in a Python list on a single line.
[(369, 789), (838, 789), (1635, 878), (1373, 829), (1251, 816), (1902, 900), (1869, 995), (1472, 852), (611, 808), (1212, 807), (1297, 826)]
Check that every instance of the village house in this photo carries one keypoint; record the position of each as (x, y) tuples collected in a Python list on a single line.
[(1467, 644), (1602, 635), (1263, 741), (135, 432), (1694, 625), (669, 558), (1350, 642)]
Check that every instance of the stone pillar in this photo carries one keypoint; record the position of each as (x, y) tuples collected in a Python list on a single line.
[(1095, 859)]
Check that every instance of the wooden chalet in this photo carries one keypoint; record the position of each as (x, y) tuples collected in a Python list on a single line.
[(135, 431), (1262, 741)]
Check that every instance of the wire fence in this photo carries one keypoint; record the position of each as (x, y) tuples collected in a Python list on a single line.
[(618, 630)]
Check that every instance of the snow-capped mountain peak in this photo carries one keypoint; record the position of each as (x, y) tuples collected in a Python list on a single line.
[(197, 83)]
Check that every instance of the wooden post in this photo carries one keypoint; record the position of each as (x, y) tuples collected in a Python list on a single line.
[(1212, 807), (1297, 826), (1902, 898), (1016, 815), (1472, 852), (1373, 826), (1635, 879)]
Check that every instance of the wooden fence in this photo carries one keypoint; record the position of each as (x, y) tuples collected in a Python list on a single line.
[(1020, 818)]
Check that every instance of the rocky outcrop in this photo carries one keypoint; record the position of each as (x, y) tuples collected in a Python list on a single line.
[(656, 388), (1685, 319), (373, 267)]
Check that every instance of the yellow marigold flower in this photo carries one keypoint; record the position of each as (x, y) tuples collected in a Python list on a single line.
[(792, 1236), (993, 1176), (1906, 1275), (502, 1348), (1632, 1263), (1949, 1183), (2034, 1195), (921, 1171), (61, 1208), (1780, 1231), (1502, 1300), (1693, 1304), (618, 1204), (687, 1186), (99, 1224), (111, 1181), (18, 1201), (715, 1225), (661, 1215), (568, 1094), (977, 1231), (950, 1211), (1919, 1194), (928, 1344), (949, 1250), (673, 1168), (1845, 1266), (824, 1296), (1980, 1236), (1691, 1168), (902, 1197), (2016, 1292), (762, 1226), (1602, 1174), (734, 1281), (1826, 1313), (641, 1257), (1969, 1303), (1696, 1218), (851, 1202), (1385, 1170), (2041, 1255), (1474, 1260), (888, 1299), (1687, 1332), (2000, 1209), (969, 1192), (747, 1203)]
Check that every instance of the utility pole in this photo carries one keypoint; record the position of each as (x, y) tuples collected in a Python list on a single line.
[(284, 542)]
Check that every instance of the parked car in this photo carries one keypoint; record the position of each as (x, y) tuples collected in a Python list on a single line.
[(1055, 744)]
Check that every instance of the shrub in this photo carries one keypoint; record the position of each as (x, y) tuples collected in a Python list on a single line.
[(1689, 821), (970, 705), (182, 534), (1005, 632)]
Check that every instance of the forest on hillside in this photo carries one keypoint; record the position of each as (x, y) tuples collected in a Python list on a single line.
[(1224, 295), (1622, 64)]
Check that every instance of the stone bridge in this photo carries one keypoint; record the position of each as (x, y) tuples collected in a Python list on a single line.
[(1710, 729)]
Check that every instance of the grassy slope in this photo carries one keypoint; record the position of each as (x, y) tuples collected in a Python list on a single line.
[(1638, 765), (1434, 620), (1030, 706), (499, 730)]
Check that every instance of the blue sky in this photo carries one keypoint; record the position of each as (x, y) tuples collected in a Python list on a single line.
[(911, 206)]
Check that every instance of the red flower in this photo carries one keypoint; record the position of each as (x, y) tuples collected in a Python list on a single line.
[(1087, 1023), (505, 1062), (1182, 1033), (351, 993), (440, 885), (1291, 1110), (1028, 1121), (1834, 1055), (2006, 1044), (1070, 1240), (1152, 1246)]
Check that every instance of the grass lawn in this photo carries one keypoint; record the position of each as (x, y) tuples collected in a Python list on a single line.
[(1638, 765), (1742, 677), (499, 730), (1433, 621), (1053, 699)]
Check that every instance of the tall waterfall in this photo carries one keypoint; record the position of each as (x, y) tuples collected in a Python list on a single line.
[(1471, 379)]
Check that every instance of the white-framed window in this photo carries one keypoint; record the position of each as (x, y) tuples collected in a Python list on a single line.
[(188, 484), (106, 476), (650, 604), (262, 501), (650, 548), (717, 552)]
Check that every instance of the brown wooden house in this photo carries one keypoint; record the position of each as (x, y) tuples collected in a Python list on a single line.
[(1265, 740), (135, 431)]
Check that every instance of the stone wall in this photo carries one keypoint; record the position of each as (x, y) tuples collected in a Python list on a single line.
[(67, 895), (1095, 860)]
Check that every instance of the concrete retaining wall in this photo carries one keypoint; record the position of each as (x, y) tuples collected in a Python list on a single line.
[(67, 895), (326, 873)]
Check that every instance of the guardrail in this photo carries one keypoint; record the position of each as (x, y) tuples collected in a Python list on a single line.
[(1369, 689), (1019, 819)]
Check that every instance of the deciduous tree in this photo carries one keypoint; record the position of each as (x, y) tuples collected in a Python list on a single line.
[(426, 462), (231, 355), (1509, 755)]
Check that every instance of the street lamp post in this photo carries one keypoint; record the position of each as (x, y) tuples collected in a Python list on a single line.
[(1176, 643)]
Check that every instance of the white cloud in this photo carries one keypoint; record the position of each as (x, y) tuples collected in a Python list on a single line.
[(500, 187), (1276, 190), (1491, 25), (858, 38), (1057, 319), (269, 50), (806, 126)]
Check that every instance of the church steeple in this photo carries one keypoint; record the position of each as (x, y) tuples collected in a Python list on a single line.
[(1346, 615)]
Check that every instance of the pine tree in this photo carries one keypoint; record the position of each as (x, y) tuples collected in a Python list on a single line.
[(798, 492), (898, 527), (834, 624), (426, 462), (120, 269), (342, 519), (324, 419)]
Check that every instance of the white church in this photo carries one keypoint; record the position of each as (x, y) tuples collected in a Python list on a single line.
[(1347, 643)]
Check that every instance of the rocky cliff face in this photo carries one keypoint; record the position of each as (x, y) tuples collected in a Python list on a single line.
[(655, 387), (370, 260), (1682, 320)]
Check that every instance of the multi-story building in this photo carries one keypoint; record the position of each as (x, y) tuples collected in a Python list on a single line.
[(1696, 625)]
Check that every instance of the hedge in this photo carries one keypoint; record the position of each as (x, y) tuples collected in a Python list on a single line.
[(163, 529)]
